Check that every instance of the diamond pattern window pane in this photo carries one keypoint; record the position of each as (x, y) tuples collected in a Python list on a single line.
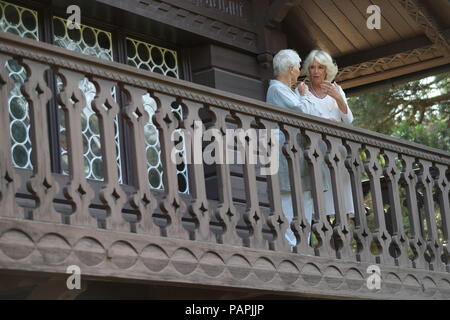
[(98, 43), (24, 23), (164, 61)]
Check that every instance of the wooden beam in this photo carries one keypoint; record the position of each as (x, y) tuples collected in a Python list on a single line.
[(392, 82), (278, 10), (427, 23), (359, 81), (387, 50), (384, 62), (382, 51)]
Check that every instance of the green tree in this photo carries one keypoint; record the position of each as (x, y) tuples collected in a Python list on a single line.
[(417, 111)]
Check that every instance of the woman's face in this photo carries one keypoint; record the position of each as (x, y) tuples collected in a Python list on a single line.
[(317, 72)]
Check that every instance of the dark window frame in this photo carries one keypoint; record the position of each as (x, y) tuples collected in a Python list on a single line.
[(46, 12)]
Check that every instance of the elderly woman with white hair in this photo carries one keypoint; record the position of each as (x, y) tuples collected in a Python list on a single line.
[(286, 69), (323, 99)]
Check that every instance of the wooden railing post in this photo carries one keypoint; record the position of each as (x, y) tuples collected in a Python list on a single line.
[(199, 208), (142, 199), (443, 186), (225, 213), (173, 207), (247, 143), (42, 185), (434, 247), (361, 234), (9, 180), (276, 221), (342, 235), (77, 191), (320, 226), (392, 175), (381, 236), (416, 242), (111, 195), (300, 225)]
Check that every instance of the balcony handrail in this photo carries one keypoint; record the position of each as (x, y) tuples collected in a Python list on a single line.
[(335, 239), (35, 50)]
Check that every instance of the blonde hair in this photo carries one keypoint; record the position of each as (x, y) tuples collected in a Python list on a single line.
[(324, 58), (283, 60)]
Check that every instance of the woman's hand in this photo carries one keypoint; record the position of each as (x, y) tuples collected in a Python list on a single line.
[(332, 89), (303, 88)]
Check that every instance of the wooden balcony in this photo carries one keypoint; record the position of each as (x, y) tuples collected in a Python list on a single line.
[(234, 238)]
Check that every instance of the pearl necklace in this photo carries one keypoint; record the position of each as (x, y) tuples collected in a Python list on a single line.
[(315, 93)]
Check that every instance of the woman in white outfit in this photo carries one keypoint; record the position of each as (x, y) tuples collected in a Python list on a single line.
[(328, 101)]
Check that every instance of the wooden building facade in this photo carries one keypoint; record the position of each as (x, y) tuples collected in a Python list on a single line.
[(86, 176)]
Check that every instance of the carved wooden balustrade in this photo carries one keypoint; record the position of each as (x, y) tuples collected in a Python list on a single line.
[(129, 230)]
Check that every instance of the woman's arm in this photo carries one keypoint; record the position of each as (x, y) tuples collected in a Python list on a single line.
[(285, 97), (335, 91)]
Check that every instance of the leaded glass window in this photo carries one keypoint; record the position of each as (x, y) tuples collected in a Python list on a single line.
[(18, 20), (98, 43), (24, 23), (161, 60), (150, 57)]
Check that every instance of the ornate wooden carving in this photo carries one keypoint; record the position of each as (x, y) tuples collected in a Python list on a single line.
[(385, 62), (199, 208), (173, 207), (42, 185), (416, 242), (140, 78), (252, 216), (168, 252), (380, 235), (420, 15), (434, 248), (9, 180), (300, 226), (276, 221), (77, 191), (341, 231), (150, 258), (111, 194), (320, 226), (399, 240), (361, 234), (195, 19), (225, 213), (443, 186), (142, 200)]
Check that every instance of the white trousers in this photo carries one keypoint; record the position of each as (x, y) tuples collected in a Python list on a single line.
[(347, 199)]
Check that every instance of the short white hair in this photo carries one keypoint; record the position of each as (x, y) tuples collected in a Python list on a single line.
[(324, 58), (283, 60)]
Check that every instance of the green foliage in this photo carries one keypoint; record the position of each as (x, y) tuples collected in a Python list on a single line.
[(436, 135), (417, 111)]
